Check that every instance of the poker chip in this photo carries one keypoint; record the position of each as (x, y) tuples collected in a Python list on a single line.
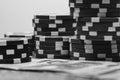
[(56, 52), (99, 33), (71, 25), (15, 61), (100, 19), (53, 17), (98, 29), (54, 33), (44, 21), (95, 1), (54, 29), (52, 56), (95, 5)]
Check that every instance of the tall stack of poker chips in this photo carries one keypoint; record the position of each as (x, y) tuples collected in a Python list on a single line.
[(14, 50), (52, 35), (98, 33), (28, 35)]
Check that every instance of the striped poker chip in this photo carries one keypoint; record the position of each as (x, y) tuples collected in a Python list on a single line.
[(52, 38), (57, 43), (53, 17), (99, 33), (99, 29), (100, 19), (15, 60), (101, 24), (52, 48), (56, 52), (54, 29), (55, 33), (95, 1), (52, 56), (95, 5), (44, 21), (98, 38), (70, 25), (94, 14), (99, 10)]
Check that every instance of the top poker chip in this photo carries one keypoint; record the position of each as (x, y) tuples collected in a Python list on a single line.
[(50, 17), (95, 1), (13, 41)]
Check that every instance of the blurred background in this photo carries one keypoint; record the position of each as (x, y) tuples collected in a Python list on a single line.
[(16, 15)]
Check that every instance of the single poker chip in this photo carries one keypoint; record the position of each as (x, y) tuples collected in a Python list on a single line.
[(94, 14), (55, 33), (13, 41), (56, 52), (100, 19), (54, 29), (99, 33), (15, 61), (53, 21), (52, 56), (53, 17), (94, 51), (99, 10), (52, 48), (98, 38), (95, 1), (100, 24), (95, 5), (57, 43), (86, 46), (52, 38), (70, 25), (99, 29)]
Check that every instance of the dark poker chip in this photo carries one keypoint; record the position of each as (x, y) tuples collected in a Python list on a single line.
[(99, 10), (52, 56), (15, 61), (95, 1), (54, 29), (53, 21), (52, 48), (70, 25), (55, 33), (95, 5), (52, 38), (100, 19), (94, 14), (99, 33), (56, 52), (57, 43), (53, 17), (102, 29), (98, 38), (98, 24)]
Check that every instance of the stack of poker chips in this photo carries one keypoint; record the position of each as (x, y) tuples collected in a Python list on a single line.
[(98, 33), (52, 35), (14, 51), (28, 35)]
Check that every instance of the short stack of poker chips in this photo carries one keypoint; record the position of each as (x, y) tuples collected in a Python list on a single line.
[(28, 35), (94, 50), (94, 8), (14, 51), (52, 35)]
